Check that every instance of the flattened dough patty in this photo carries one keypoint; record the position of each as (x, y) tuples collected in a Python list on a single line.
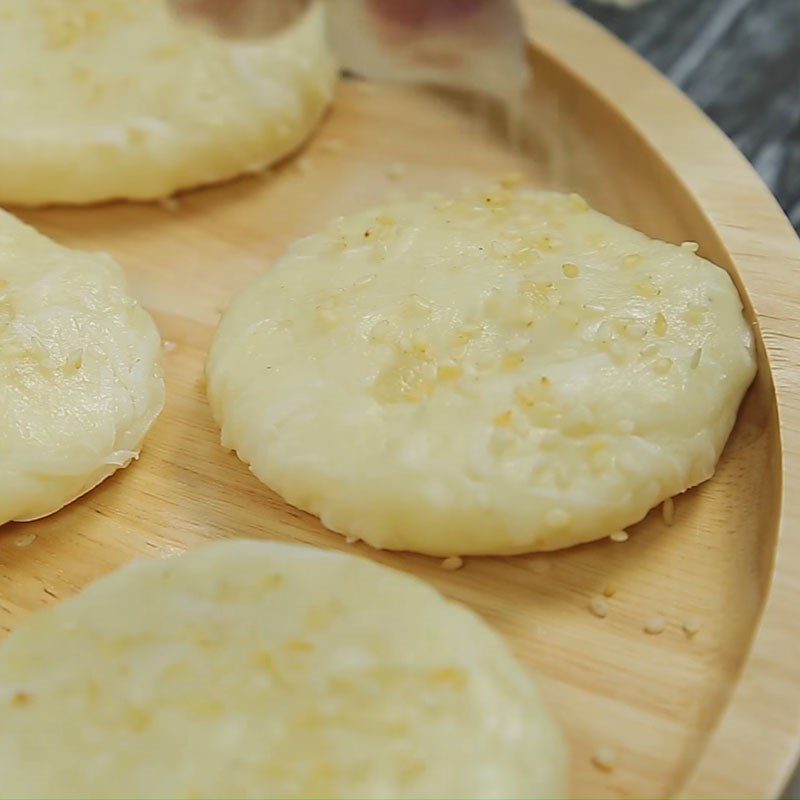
[(252, 669), (495, 373), (109, 99), (80, 372)]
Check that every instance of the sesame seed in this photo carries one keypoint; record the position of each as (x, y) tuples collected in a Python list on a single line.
[(636, 330), (74, 360), (20, 699), (619, 536), (660, 326), (171, 204), (396, 171), (692, 247), (25, 540), (452, 563), (662, 366), (578, 203), (420, 302), (610, 589), (503, 420), (668, 511), (570, 270), (647, 289), (511, 179), (649, 350), (691, 626), (603, 332), (332, 145), (380, 330), (599, 606), (351, 539), (557, 518), (449, 372), (604, 758), (655, 625)]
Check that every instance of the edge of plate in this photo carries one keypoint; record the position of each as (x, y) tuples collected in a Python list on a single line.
[(755, 744)]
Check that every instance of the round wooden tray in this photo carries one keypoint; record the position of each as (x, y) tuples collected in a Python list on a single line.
[(716, 715)]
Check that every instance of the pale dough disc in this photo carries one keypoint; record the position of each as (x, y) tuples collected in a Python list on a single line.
[(80, 372), (499, 373), (253, 669), (109, 99)]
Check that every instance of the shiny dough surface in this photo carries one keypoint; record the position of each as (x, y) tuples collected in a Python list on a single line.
[(80, 372), (497, 372)]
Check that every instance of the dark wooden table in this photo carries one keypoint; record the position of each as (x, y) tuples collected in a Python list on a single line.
[(739, 60)]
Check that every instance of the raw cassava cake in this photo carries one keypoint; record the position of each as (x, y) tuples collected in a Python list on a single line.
[(109, 99), (499, 372), (80, 372), (253, 669)]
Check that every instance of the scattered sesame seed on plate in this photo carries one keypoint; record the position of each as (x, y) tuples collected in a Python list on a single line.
[(619, 536), (668, 511), (599, 606), (332, 146), (511, 179), (453, 563), (604, 758), (169, 203), (691, 626), (396, 171), (655, 625)]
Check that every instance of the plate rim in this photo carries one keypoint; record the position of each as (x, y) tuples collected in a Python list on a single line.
[(755, 743)]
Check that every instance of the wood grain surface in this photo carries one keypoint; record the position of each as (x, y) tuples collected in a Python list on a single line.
[(717, 714), (739, 60)]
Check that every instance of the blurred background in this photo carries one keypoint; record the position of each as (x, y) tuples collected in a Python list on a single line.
[(739, 60)]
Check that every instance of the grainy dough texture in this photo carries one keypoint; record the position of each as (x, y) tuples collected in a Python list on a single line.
[(109, 99), (253, 669), (80, 372), (501, 372)]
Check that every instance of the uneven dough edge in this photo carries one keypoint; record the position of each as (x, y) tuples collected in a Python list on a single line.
[(34, 491)]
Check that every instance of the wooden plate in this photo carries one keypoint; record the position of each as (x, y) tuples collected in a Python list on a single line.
[(716, 715)]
